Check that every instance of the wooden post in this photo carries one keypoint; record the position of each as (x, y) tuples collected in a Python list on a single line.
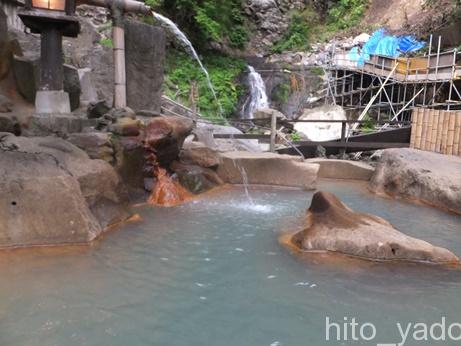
[(444, 144), (425, 128), (429, 130), (419, 128), (51, 61), (273, 131), (414, 116), (434, 121), (342, 151), (451, 132), (457, 140)]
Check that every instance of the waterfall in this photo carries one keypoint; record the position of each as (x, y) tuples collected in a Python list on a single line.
[(258, 95), (190, 49)]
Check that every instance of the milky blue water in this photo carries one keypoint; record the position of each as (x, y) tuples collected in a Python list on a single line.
[(212, 272)]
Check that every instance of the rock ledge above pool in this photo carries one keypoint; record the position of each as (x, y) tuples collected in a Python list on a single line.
[(332, 226), (267, 169), (431, 178)]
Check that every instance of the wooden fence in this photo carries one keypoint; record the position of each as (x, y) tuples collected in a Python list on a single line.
[(436, 130)]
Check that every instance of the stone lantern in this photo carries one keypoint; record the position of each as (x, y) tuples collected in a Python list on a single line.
[(52, 19)]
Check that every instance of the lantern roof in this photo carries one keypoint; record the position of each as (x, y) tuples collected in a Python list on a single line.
[(37, 20)]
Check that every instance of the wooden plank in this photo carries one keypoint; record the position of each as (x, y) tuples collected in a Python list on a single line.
[(419, 128), (365, 146), (446, 117), (438, 145), (451, 133), (413, 128), (241, 136), (457, 140), (429, 130), (435, 122), (425, 128)]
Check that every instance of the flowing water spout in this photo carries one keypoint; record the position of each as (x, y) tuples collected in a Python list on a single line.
[(258, 95), (191, 50)]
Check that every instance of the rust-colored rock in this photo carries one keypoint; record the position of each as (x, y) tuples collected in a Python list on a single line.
[(167, 191), (165, 136), (332, 226), (163, 140)]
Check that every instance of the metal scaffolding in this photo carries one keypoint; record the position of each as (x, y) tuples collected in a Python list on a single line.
[(392, 87)]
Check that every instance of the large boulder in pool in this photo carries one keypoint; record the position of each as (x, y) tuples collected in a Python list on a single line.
[(431, 178), (53, 193), (332, 226)]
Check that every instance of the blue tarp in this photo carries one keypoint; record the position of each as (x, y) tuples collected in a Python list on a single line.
[(388, 45)]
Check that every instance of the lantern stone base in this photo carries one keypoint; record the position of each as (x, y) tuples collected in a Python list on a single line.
[(52, 102)]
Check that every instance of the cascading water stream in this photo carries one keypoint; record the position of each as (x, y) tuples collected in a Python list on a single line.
[(258, 95), (191, 50), (174, 196)]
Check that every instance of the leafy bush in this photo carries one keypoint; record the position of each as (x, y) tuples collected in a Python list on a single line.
[(295, 136), (182, 71), (296, 37), (344, 14), (107, 42), (220, 21)]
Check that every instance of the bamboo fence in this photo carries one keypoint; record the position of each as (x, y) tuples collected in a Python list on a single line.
[(436, 130)]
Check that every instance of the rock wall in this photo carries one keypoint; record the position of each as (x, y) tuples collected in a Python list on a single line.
[(53, 194), (271, 18), (145, 57)]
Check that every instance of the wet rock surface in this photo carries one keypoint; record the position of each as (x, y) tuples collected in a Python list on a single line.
[(428, 177), (332, 226), (164, 137), (267, 169), (55, 194)]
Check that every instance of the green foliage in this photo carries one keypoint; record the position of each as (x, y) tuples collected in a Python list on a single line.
[(296, 37), (317, 70), (219, 21), (107, 42), (281, 93), (295, 136), (344, 14), (154, 3), (182, 71), (369, 124)]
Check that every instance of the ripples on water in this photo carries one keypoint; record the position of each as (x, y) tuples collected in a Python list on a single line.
[(211, 272)]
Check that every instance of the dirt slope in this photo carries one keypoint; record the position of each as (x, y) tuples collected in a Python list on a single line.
[(416, 16)]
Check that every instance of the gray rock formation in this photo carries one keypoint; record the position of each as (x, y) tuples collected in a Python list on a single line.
[(6, 105), (72, 85), (343, 169), (332, 226), (145, 56), (428, 177), (272, 18), (204, 133), (26, 73), (196, 179), (53, 194), (97, 145), (4, 63), (197, 153), (9, 124), (267, 169)]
